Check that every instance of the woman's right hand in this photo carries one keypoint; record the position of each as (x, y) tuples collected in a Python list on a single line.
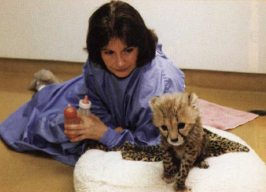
[(89, 128)]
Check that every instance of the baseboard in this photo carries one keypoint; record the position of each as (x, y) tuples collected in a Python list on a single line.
[(32, 66), (225, 80), (194, 78)]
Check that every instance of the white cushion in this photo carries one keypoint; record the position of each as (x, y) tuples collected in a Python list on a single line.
[(99, 171)]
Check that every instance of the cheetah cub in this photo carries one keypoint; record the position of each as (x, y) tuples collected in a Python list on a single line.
[(184, 142)]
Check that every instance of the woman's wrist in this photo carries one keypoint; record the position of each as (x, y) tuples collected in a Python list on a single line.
[(110, 138), (100, 133)]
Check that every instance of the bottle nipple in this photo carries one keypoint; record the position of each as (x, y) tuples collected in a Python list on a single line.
[(86, 100), (85, 103), (70, 112)]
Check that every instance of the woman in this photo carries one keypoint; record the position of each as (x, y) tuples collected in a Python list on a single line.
[(125, 68)]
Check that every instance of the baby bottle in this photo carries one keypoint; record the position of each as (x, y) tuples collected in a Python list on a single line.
[(71, 115), (84, 106)]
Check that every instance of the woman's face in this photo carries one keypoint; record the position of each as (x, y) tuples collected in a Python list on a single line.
[(120, 59)]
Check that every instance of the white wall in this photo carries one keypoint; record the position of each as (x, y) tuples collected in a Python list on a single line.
[(212, 35)]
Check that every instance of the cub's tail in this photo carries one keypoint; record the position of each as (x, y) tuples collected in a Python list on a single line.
[(220, 145), (131, 152), (142, 153)]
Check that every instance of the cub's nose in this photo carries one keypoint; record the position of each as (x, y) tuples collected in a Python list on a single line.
[(174, 140)]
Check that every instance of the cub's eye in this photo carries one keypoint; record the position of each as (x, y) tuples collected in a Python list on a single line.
[(164, 127), (181, 125)]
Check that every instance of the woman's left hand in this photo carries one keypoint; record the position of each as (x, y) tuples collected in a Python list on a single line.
[(89, 128)]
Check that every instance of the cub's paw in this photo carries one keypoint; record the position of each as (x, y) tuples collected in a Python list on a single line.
[(182, 188), (168, 179), (186, 190), (202, 164)]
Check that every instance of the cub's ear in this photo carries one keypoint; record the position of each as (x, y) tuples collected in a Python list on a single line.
[(192, 97), (153, 102)]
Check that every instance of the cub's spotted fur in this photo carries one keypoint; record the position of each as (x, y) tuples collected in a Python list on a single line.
[(184, 141)]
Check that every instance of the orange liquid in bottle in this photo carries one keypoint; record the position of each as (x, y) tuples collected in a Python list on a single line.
[(71, 117)]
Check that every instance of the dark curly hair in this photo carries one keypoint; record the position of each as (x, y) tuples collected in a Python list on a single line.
[(118, 19)]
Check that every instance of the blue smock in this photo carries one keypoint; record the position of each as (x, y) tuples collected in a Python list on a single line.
[(119, 102)]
